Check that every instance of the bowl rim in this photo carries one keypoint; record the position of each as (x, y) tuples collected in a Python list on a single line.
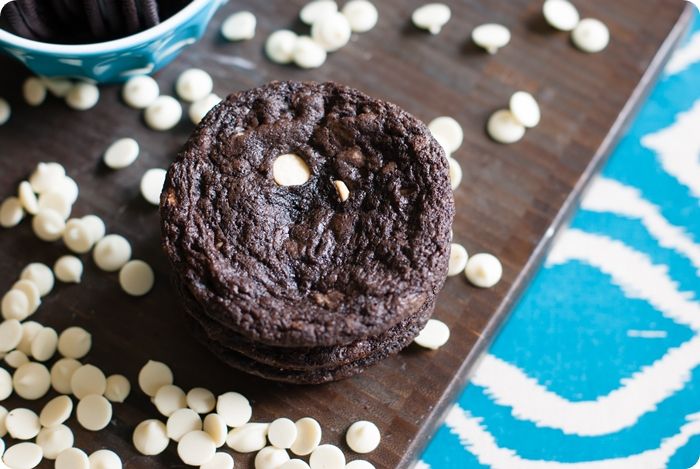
[(114, 45)]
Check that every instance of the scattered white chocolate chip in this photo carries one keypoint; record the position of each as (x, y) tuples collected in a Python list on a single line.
[(503, 127), (193, 84), (118, 388), (280, 46), (201, 400), (239, 26), (136, 278), (153, 376), (74, 342), (61, 374), (59, 87), (94, 412), (359, 464), (201, 108), (68, 269), (23, 456), (491, 36), (11, 212), (46, 176), (5, 384), (72, 458), (270, 458), (121, 153), (455, 172), (458, 259), (295, 464), (308, 436), (560, 14), (363, 437), (317, 9), (327, 457), (22, 424), (15, 359), (86, 380), (525, 109), (152, 183), (57, 201), (77, 236), (96, 226), (10, 334), (3, 429), (34, 91), (15, 305), (483, 270), (448, 132), (282, 433), (140, 91), (332, 31), (150, 437), (41, 275), (196, 448), (591, 35), (5, 111), (68, 188), (432, 17), (342, 189), (163, 114), (248, 438), (181, 422), (56, 411), (434, 335), (111, 253), (83, 96), (308, 54), (290, 170), (27, 198), (215, 426), (169, 398), (361, 14), (30, 289), (219, 461), (234, 408), (104, 459), (29, 330), (44, 344), (54, 440), (48, 225)]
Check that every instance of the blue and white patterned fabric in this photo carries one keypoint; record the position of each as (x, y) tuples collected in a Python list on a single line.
[(599, 364)]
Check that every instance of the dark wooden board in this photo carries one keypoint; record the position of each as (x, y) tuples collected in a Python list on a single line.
[(510, 202)]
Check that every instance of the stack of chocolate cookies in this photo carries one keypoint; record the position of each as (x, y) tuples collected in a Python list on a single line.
[(310, 280)]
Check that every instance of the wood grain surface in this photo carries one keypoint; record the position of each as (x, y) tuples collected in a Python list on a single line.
[(509, 203)]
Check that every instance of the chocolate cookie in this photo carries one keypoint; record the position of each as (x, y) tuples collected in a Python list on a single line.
[(296, 266)]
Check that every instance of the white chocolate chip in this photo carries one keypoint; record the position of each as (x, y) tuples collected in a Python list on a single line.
[(196, 448), (15, 305), (121, 153), (94, 412), (23, 456), (248, 438), (11, 212), (560, 14), (15, 359), (54, 440), (234, 408), (150, 437), (136, 278), (201, 108), (182, 422), (83, 96), (5, 111), (316, 9), (308, 436), (342, 189), (140, 92), (591, 35), (72, 458), (448, 132), (290, 170), (77, 236), (363, 437), (5, 384), (56, 411), (61, 374), (152, 183), (282, 433), (30, 289), (22, 424), (332, 32), (34, 91), (59, 87), (491, 36), (294, 464), (29, 331), (74, 342), (201, 400), (308, 54), (219, 461), (483, 270), (44, 344), (239, 26), (169, 398), (10, 334), (3, 416), (46, 176), (458, 259), (163, 114), (48, 225), (361, 14), (359, 464), (270, 458), (503, 127), (57, 201), (27, 198), (215, 426), (118, 388), (68, 188), (68, 269), (193, 84), (86, 380), (280, 46), (525, 109), (455, 171), (96, 226), (153, 376), (432, 17), (327, 457), (434, 335), (104, 459), (41, 275), (111, 253)]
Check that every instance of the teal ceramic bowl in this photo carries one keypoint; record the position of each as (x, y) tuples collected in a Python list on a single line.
[(115, 61)]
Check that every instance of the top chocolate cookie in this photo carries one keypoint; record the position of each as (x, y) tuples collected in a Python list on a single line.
[(294, 265)]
